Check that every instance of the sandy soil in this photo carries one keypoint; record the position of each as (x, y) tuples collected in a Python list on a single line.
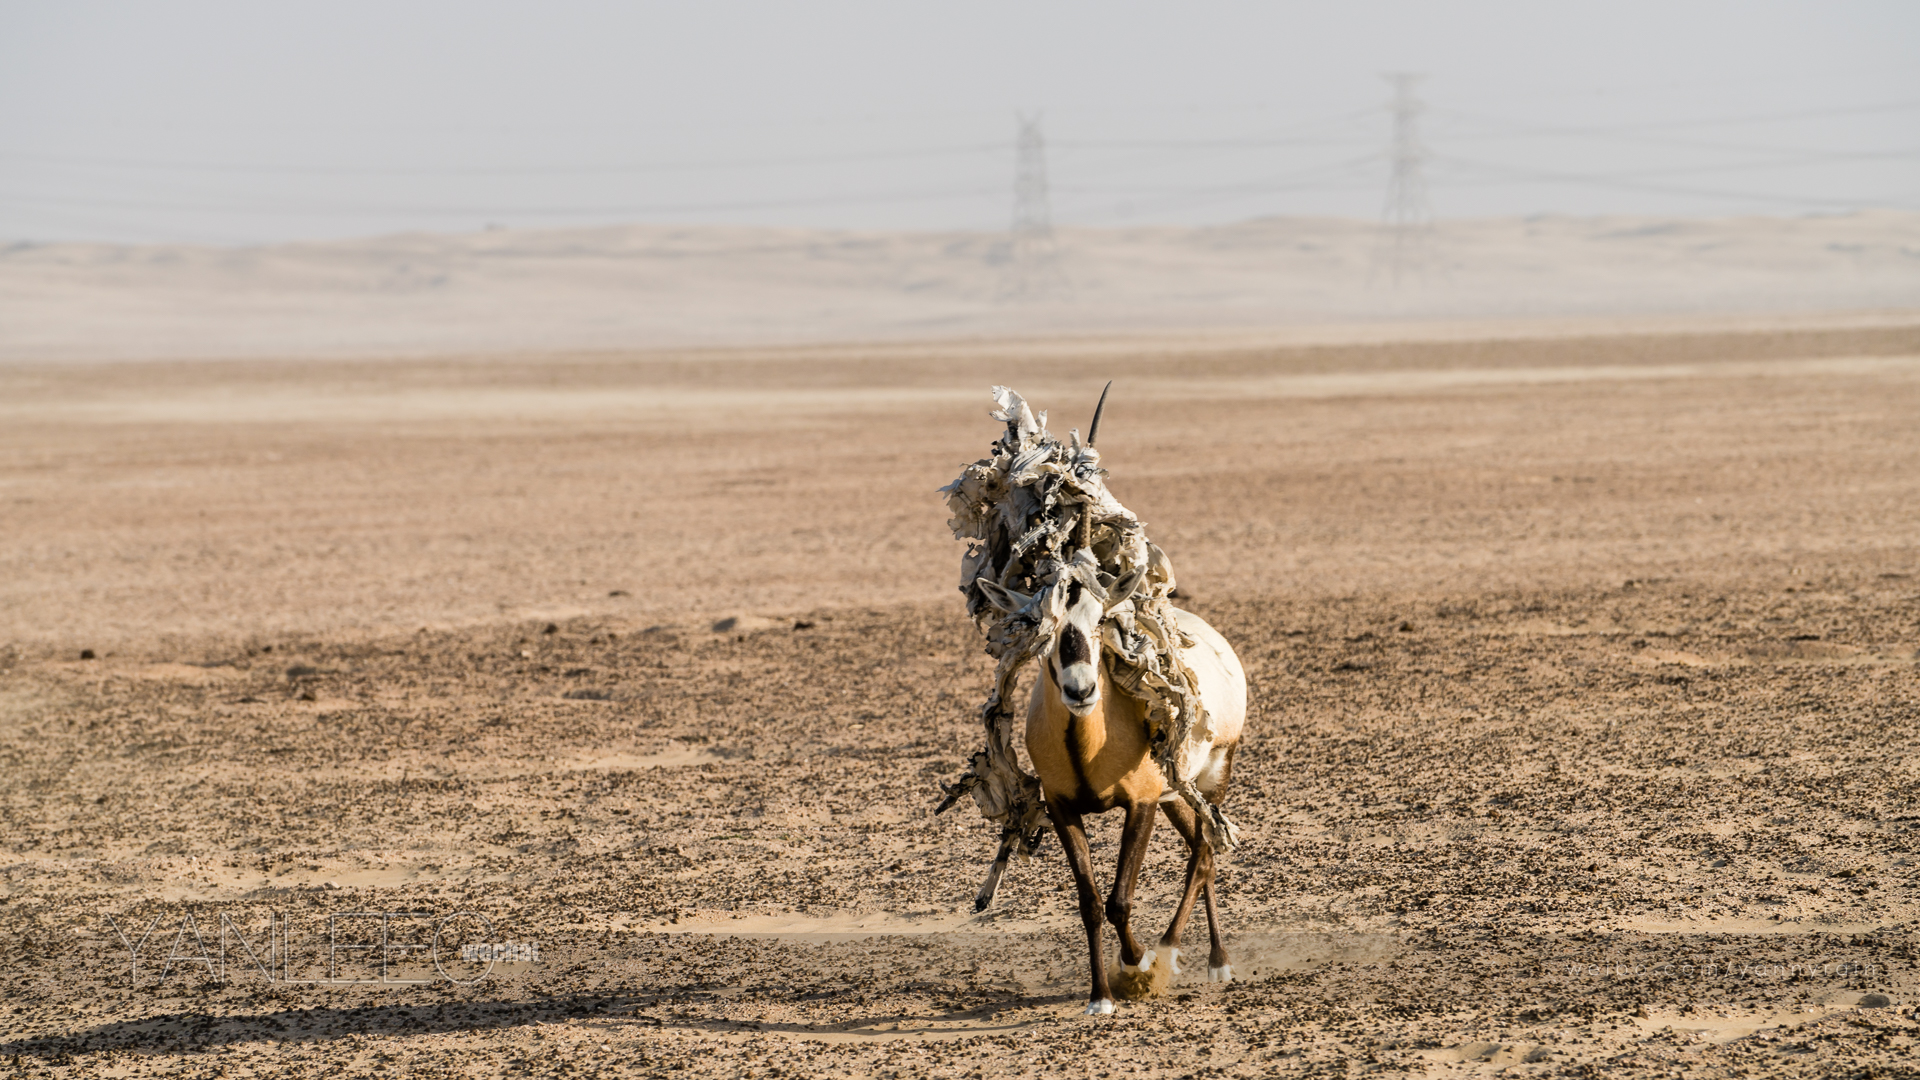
[(1585, 673), (646, 286)]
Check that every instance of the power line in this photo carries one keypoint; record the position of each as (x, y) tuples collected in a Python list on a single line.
[(1032, 254), (1625, 182), (1772, 80), (485, 212), (1786, 161), (531, 170), (1273, 138), (1192, 198), (1199, 144), (1794, 153), (1276, 181), (1524, 128)]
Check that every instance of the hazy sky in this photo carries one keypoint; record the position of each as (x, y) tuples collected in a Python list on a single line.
[(250, 121)]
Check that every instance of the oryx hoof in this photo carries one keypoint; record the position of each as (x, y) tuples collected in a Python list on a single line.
[(1173, 958), (1147, 979), (1103, 1007), (1223, 973)]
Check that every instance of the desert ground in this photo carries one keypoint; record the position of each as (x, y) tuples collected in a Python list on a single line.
[(654, 286), (1585, 670)]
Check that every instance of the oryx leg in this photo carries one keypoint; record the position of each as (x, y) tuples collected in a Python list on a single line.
[(1142, 972), (1199, 875), (1073, 840), (1218, 967), (1133, 852)]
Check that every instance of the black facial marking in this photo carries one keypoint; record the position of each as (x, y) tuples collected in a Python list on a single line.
[(1073, 593), (1073, 647)]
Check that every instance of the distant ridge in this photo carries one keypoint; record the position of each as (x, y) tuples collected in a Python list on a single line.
[(641, 286)]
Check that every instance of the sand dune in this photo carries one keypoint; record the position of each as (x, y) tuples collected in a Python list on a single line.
[(658, 286)]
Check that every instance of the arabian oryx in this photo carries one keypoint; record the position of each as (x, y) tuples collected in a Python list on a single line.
[(1090, 744)]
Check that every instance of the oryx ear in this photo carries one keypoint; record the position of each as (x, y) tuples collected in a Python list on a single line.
[(1124, 588), (1002, 597)]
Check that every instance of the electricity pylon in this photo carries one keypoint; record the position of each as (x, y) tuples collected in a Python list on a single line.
[(1033, 264), (1409, 220)]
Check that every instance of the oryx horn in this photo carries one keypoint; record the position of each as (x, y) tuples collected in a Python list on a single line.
[(1093, 429)]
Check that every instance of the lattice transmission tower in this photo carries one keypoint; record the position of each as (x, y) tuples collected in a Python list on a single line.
[(1406, 249), (1033, 260)]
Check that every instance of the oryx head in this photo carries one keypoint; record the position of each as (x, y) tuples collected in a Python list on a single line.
[(1069, 611)]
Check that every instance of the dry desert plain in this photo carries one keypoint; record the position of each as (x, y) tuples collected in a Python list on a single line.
[(1583, 735)]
